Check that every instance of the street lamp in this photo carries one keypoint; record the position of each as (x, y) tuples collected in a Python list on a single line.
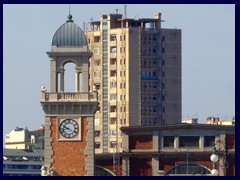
[(219, 154)]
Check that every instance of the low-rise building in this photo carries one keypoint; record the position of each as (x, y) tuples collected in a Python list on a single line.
[(182, 149), (21, 162), (190, 120), (217, 120), (20, 138)]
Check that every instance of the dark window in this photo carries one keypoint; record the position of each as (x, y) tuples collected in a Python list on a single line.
[(189, 141), (208, 141), (113, 144), (168, 141), (97, 133), (97, 145)]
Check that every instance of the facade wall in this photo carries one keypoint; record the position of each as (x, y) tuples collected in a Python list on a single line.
[(65, 152), (140, 142), (140, 166), (15, 140), (133, 82), (172, 75), (178, 144)]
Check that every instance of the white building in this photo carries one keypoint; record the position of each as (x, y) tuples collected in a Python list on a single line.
[(20, 138), (190, 120)]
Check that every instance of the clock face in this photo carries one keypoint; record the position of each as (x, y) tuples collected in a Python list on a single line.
[(68, 128)]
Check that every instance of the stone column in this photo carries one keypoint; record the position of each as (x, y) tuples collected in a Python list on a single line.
[(176, 142), (125, 166), (53, 80), (62, 81), (89, 151), (155, 166), (77, 81), (201, 142), (48, 151)]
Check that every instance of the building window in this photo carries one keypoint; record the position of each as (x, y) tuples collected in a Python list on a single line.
[(96, 51), (113, 109), (168, 141), (189, 141), (113, 133), (97, 121), (113, 37), (113, 96), (208, 141), (97, 133), (97, 145), (113, 84), (113, 121), (113, 144), (97, 74), (163, 50), (97, 63), (96, 39)]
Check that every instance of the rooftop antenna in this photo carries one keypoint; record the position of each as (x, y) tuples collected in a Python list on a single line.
[(116, 11), (69, 9), (125, 11)]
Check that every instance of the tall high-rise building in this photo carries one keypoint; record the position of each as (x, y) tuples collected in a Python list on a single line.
[(136, 67)]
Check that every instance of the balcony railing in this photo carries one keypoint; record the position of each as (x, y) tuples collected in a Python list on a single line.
[(113, 55), (63, 96)]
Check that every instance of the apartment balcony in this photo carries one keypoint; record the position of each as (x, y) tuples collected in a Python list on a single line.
[(113, 55), (113, 114), (113, 43), (113, 103), (113, 67)]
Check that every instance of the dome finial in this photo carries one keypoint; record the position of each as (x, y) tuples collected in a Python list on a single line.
[(69, 17)]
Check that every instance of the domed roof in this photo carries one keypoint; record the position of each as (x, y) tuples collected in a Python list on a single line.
[(69, 34)]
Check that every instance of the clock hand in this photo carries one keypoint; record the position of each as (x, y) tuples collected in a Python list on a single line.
[(67, 128)]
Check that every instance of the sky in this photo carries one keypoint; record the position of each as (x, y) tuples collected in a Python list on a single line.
[(208, 55)]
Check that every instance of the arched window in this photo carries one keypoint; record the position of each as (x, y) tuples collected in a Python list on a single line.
[(188, 169), (101, 171), (69, 77)]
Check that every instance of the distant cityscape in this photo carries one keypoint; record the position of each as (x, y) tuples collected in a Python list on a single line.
[(125, 116), (23, 154)]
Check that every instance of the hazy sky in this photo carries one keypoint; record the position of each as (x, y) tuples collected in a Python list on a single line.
[(208, 55)]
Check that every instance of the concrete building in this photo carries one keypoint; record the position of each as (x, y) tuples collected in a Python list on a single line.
[(177, 150), (20, 138), (22, 162), (136, 66)]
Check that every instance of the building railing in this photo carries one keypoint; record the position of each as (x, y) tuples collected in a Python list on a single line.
[(66, 96)]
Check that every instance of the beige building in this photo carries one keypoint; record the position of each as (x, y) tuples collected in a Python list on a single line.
[(20, 138), (136, 67)]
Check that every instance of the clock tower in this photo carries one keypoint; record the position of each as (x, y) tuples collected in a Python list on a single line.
[(69, 116)]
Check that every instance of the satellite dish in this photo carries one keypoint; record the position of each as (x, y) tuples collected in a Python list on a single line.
[(25, 159), (5, 158)]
